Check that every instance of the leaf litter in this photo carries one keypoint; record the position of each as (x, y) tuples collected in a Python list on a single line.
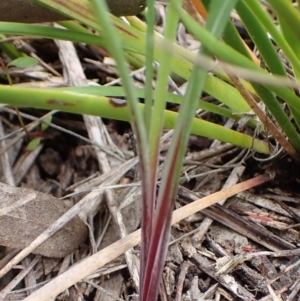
[(244, 248)]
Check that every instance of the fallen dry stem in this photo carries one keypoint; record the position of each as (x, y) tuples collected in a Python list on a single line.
[(94, 262)]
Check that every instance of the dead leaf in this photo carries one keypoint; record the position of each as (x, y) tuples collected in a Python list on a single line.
[(26, 213)]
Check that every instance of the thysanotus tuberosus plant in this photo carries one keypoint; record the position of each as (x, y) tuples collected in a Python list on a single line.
[(224, 68)]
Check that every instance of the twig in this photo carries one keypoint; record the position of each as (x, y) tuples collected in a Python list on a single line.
[(96, 131)]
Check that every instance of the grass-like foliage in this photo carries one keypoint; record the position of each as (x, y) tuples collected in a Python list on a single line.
[(224, 67)]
